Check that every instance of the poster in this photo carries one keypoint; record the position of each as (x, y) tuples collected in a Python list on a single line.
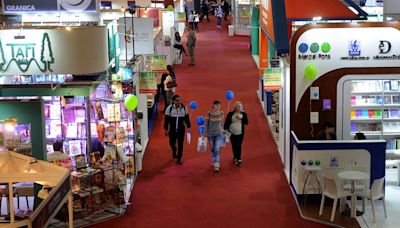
[(148, 82), (181, 17), (159, 63), (272, 78)]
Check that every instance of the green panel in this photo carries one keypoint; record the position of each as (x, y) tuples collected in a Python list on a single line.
[(30, 112), (78, 91), (271, 50), (254, 34)]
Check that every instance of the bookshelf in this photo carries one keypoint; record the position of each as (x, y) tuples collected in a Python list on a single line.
[(375, 110)]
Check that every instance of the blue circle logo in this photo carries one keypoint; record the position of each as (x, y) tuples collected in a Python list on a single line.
[(303, 48)]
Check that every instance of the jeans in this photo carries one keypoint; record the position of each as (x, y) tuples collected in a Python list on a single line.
[(219, 21), (215, 146)]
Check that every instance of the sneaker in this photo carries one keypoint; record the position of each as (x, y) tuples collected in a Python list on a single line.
[(216, 169), (179, 162), (239, 162)]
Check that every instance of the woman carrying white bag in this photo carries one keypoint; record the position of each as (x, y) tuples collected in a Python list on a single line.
[(215, 133)]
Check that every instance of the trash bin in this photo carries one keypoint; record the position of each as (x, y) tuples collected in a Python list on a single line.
[(230, 30), (138, 157)]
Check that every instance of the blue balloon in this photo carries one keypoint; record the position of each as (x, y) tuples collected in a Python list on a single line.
[(200, 120), (229, 95), (193, 105), (201, 129)]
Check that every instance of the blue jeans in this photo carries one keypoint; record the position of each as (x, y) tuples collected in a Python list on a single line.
[(215, 146)]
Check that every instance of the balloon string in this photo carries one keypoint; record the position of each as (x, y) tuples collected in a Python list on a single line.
[(229, 104)]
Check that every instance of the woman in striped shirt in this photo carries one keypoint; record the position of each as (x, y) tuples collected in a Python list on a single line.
[(215, 132)]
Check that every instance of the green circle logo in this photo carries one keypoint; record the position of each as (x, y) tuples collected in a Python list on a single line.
[(314, 48), (325, 47)]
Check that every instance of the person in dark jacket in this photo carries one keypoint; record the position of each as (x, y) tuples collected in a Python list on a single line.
[(226, 9), (176, 117), (328, 133), (234, 123), (204, 10)]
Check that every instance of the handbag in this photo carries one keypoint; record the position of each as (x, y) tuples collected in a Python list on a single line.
[(171, 84), (201, 144)]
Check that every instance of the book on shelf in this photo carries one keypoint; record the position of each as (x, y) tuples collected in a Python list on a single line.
[(75, 147), (114, 112), (396, 99), (379, 99), (378, 113), (387, 100), (116, 88), (358, 114), (72, 130), (394, 113), (109, 134), (386, 85), (385, 113), (80, 115), (55, 111), (100, 128), (80, 161), (99, 111), (394, 85), (371, 114), (353, 100), (364, 114)]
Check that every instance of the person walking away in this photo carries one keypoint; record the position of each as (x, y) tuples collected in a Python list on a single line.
[(176, 117), (169, 86), (178, 44), (191, 19), (215, 133), (234, 123), (196, 20), (218, 14), (191, 43), (204, 9), (226, 9)]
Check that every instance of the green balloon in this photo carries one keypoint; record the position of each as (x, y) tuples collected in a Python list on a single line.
[(325, 47), (170, 8), (310, 72), (131, 102)]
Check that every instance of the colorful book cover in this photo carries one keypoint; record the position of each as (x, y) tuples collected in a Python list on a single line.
[(371, 113), (358, 114), (394, 113), (80, 162), (364, 114), (385, 113), (353, 100), (353, 127), (378, 114), (69, 115), (378, 99), (75, 147), (353, 114)]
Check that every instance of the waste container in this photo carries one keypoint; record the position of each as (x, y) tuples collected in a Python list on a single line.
[(138, 157), (230, 30)]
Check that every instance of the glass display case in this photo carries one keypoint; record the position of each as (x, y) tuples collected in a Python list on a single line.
[(241, 16)]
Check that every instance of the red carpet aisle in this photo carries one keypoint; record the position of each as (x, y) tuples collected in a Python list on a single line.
[(192, 195)]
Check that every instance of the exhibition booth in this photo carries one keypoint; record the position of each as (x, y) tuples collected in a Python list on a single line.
[(61, 101), (352, 83)]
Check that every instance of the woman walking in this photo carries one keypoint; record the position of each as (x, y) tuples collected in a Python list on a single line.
[(234, 123), (215, 133), (169, 86)]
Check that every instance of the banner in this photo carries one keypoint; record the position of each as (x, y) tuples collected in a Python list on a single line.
[(272, 78), (148, 82), (159, 63), (53, 51), (23, 6)]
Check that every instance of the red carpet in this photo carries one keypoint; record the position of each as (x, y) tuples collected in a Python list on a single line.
[(192, 195)]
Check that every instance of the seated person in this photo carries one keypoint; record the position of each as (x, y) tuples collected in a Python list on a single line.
[(328, 133), (359, 136)]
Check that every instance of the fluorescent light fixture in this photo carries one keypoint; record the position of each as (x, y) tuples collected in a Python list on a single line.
[(68, 28), (317, 18), (389, 18), (354, 10)]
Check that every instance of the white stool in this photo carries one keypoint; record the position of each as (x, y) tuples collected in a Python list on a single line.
[(177, 56)]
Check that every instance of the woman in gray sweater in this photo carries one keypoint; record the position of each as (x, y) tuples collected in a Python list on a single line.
[(215, 132)]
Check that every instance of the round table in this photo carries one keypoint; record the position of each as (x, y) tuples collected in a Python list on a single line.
[(353, 176)]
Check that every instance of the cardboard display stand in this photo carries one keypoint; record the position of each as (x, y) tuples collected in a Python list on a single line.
[(15, 167)]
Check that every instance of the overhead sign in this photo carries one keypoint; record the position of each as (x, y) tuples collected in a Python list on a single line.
[(53, 51), (23, 6), (272, 79), (148, 82), (357, 47), (159, 63)]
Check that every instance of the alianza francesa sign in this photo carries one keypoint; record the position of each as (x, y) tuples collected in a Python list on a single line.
[(53, 51), (20, 6), (329, 49)]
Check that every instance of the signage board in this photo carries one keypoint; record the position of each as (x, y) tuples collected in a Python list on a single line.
[(50, 204), (266, 19), (168, 21), (24, 6), (148, 82), (53, 51), (272, 78), (159, 63), (138, 38), (356, 48)]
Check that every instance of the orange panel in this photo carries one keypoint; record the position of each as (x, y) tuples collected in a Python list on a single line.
[(263, 55), (266, 19), (306, 9)]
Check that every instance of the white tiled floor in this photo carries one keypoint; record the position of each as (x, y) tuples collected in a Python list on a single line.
[(392, 195)]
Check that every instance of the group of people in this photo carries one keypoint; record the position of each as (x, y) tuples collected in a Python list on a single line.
[(217, 128), (190, 43)]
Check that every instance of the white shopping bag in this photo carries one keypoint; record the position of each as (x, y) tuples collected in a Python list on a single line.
[(202, 144), (188, 137)]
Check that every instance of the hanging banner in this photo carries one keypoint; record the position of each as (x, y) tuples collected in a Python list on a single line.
[(272, 78), (53, 51), (23, 6), (148, 82), (181, 17), (159, 63)]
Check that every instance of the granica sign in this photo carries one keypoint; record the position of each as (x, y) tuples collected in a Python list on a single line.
[(23, 54)]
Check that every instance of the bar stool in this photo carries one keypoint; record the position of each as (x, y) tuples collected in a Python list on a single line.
[(308, 185)]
